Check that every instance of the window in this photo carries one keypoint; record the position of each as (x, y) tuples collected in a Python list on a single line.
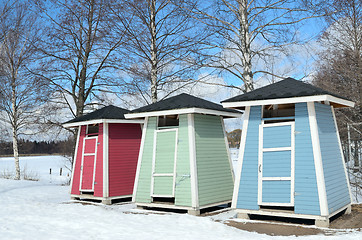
[(279, 110), (168, 121), (278, 113), (93, 130)]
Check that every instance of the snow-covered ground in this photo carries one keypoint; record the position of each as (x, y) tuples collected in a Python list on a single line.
[(42, 210)]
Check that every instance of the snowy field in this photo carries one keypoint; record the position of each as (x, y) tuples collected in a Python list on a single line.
[(42, 210)]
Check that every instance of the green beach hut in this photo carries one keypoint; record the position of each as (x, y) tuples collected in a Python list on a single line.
[(183, 161)]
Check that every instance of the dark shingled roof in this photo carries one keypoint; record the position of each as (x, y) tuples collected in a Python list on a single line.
[(287, 88), (109, 112), (180, 102)]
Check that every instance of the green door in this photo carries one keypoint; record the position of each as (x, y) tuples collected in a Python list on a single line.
[(164, 163)]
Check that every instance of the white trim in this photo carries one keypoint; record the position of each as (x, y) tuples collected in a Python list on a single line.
[(153, 159), (292, 165), (75, 158), (277, 149), (105, 160), (163, 195), (153, 175), (241, 157), (277, 124), (227, 148), (342, 156), (140, 154), (277, 178), (261, 178), (182, 111), (89, 154), (163, 174), (318, 98), (94, 164), (260, 165), (323, 204), (193, 165), (95, 121)]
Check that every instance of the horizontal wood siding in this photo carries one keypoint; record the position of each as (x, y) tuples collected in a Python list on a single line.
[(123, 146), (183, 184), (143, 192), (165, 152), (306, 199), (275, 137), (215, 183), (334, 175), (277, 164), (164, 162), (98, 180), (163, 185), (78, 162), (276, 191), (248, 188)]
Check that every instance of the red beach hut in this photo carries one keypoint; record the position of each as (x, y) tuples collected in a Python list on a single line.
[(106, 154)]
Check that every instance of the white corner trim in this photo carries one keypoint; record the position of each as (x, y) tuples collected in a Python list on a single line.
[(182, 111), (241, 157), (140, 154), (193, 165), (95, 121), (75, 158), (227, 148), (342, 156), (105, 160), (153, 160), (260, 163), (317, 98), (323, 204)]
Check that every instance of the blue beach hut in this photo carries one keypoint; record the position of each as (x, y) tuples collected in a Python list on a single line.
[(290, 162)]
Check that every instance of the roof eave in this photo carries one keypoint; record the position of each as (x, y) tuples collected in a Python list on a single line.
[(183, 111), (332, 99), (95, 121)]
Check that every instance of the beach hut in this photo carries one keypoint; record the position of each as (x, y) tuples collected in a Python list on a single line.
[(183, 161), (290, 162), (106, 153)]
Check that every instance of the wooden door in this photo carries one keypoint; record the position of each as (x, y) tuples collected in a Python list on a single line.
[(164, 163), (88, 164), (276, 164)]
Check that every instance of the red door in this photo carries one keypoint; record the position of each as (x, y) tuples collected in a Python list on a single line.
[(88, 163)]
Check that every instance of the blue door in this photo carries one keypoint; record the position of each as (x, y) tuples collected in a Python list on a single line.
[(276, 164)]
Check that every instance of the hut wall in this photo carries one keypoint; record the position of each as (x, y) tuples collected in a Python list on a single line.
[(143, 191), (78, 162), (248, 188), (306, 191), (215, 183), (334, 175), (183, 183), (123, 144)]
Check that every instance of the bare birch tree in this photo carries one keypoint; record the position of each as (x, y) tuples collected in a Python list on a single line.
[(78, 52), (162, 42), (246, 33), (20, 92)]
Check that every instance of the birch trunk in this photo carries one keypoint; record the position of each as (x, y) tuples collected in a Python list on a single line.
[(245, 46), (153, 51), (15, 134)]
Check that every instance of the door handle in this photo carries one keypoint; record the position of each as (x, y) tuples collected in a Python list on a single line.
[(260, 168)]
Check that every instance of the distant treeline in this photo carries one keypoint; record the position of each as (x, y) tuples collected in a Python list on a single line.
[(27, 147)]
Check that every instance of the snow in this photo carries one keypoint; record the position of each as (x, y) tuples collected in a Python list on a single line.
[(43, 210)]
